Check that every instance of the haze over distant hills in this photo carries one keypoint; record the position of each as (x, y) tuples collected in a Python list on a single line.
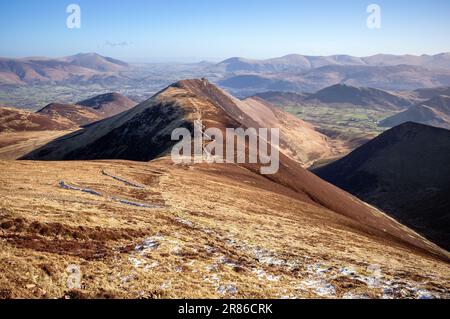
[(300, 63), (297, 70), (40, 69), (405, 172), (397, 77), (242, 77), (299, 73)]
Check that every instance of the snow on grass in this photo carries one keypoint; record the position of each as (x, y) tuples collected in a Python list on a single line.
[(229, 289), (149, 244), (128, 183)]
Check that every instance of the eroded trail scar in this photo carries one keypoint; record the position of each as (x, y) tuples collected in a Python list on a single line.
[(64, 185), (126, 182), (127, 202)]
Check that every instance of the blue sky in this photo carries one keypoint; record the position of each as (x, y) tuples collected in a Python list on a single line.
[(153, 30)]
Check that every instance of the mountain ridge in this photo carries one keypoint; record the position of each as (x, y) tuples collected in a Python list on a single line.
[(300, 62), (433, 112)]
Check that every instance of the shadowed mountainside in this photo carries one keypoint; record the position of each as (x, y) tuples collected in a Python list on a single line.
[(405, 172)]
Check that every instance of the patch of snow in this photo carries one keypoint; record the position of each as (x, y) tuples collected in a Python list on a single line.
[(210, 249), (63, 185), (266, 257), (261, 274), (226, 261), (347, 272), (321, 287), (148, 244), (227, 289), (151, 266), (185, 222), (350, 295), (128, 278), (137, 263), (135, 185), (128, 202), (179, 269), (424, 294)]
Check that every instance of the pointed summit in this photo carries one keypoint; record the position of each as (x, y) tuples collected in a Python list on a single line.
[(144, 132)]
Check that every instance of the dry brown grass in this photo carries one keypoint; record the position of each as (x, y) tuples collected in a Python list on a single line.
[(213, 236), (16, 144)]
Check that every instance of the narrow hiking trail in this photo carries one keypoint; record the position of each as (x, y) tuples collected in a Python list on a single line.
[(64, 185)]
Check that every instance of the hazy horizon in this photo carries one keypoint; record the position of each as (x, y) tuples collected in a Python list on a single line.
[(163, 60)]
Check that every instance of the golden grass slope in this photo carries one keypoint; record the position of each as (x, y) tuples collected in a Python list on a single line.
[(71, 115), (17, 144), (216, 231), (16, 120)]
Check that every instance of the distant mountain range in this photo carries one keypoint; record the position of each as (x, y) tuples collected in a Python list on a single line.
[(403, 171), (399, 77), (300, 73), (75, 68), (301, 63), (243, 77)]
